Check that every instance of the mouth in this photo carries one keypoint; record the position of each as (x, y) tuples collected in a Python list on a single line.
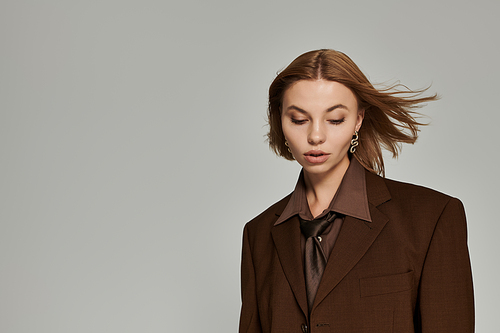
[(315, 153), (316, 156)]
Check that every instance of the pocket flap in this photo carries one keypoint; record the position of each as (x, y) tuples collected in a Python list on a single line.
[(385, 284)]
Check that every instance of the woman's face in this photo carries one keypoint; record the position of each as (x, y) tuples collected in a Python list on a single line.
[(319, 118)]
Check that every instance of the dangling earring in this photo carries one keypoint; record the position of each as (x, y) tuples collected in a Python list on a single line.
[(286, 144), (354, 142)]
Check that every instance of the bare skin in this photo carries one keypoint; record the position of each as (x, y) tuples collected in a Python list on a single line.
[(319, 118)]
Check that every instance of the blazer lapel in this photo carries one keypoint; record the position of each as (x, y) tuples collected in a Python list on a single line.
[(355, 237), (286, 238)]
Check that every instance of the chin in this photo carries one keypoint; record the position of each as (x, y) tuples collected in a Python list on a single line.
[(324, 168), (318, 169)]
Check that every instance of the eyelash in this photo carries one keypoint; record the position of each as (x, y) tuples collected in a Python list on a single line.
[(333, 121), (337, 121), (298, 121)]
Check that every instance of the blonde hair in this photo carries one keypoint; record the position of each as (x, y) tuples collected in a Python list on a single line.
[(389, 118)]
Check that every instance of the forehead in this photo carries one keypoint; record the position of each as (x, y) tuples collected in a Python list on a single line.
[(319, 94)]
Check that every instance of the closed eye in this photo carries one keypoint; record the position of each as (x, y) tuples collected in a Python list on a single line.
[(298, 121), (336, 121)]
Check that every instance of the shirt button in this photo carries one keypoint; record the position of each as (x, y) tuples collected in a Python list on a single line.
[(319, 238), (304, 328)]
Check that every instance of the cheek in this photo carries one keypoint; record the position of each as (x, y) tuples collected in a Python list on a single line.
[(341, 141), (293, 144), (292, 134)]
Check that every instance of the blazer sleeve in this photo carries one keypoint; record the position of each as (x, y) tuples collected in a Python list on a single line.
[(249, 316), (446, 296)]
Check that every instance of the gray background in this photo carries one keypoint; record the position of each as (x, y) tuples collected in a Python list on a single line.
[(132, 146)]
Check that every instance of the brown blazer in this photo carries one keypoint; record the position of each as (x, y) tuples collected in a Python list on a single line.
[(406, 271)]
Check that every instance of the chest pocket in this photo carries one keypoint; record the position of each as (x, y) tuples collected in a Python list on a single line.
[(387, 284)]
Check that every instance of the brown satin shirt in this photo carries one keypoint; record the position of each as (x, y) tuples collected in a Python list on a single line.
[(350, 199)]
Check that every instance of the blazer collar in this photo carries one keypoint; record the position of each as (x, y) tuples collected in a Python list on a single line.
[(355, 237), (354, 240), (376, 190), (286, 237)]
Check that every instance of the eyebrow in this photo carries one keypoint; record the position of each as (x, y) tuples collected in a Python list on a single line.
[(330, 109)]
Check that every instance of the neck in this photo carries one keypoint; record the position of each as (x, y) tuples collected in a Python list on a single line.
[(321, 188)]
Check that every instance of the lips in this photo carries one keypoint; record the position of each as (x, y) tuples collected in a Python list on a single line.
[(316, 156)]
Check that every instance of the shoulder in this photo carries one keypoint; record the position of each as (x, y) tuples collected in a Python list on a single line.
[(267, 218), (416, 192), (415, 199), (413, 190)]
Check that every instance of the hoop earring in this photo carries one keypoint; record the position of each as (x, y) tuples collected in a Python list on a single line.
[(286, 144), (354, 142)]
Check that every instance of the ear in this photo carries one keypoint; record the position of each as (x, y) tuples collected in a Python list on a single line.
[(359, 120)]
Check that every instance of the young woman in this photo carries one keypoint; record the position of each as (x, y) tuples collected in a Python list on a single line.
[(349, 250)]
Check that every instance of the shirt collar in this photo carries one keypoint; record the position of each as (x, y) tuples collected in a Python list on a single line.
[(350, 199)]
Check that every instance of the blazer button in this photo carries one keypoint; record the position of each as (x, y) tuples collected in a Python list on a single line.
[(304, 328)]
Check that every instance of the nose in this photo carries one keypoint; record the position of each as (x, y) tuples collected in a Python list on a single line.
[(317, 134)]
